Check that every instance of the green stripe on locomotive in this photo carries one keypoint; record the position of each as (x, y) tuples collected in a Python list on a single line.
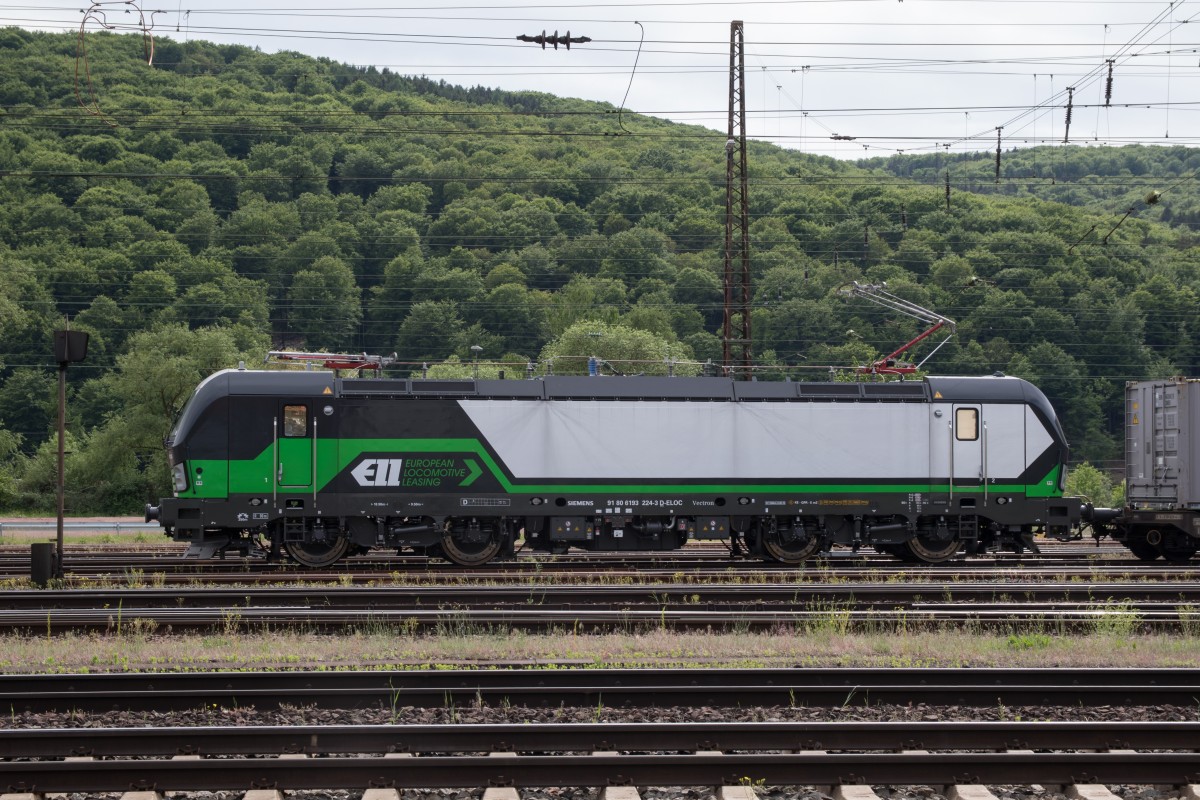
[(215, 479)]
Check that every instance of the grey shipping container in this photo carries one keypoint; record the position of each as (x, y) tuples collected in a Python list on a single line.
[(1162, 444)]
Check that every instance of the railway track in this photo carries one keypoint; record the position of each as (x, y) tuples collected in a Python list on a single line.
[(84, 569), (466, 621), (872, 606), (1141, 596), (725, 688), (954, 755)]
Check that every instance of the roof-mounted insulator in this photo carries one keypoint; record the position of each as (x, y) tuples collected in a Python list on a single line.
[(333, 360)]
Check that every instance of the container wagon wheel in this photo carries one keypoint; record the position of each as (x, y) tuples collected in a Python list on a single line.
[(317, 554), (1141, 549), (930, 550), (1177, 547)]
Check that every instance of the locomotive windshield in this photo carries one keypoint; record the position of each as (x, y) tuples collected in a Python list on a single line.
[(191, 410), (173, 436)]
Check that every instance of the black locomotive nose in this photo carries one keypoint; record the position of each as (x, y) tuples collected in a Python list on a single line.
[(152, 513)]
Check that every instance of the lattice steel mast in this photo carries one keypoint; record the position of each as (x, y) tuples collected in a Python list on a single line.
[(736, 345)]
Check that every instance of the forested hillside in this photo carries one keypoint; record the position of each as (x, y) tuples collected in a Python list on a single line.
[(225, 201), (1111, 178)]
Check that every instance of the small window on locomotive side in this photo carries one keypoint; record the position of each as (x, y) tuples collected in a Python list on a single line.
[(966, 424), (295, 421)]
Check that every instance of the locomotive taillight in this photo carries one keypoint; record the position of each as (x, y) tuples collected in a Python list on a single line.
[(179, 473)]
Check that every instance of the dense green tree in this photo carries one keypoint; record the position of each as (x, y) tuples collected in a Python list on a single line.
[(325, 304), (29, 403), (515, 314), (701, 290), (122, 460), (636, 254), (225, 300), (1084, 480), (431, 331), (625, 349), (601, 299)]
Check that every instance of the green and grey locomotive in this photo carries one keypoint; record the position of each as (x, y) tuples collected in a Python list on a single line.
[(321, 466)]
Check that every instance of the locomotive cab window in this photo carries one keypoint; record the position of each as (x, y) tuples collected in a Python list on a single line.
[(295, 421), (966, 424)]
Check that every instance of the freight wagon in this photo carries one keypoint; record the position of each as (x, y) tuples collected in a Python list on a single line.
[(1161, 516)]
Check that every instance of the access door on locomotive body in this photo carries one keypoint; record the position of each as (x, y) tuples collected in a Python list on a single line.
[(975, 446), (282, 442), (294, 437), (983, 455)]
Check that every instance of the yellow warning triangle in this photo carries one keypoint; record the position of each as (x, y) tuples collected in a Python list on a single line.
[(1135, 420), (327, 391), (937, 395)]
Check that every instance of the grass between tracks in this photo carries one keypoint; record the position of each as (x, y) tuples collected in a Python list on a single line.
[(379, 647)]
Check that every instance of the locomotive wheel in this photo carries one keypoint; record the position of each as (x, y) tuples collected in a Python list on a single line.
[(470, 554), (790, 552), (317, 554), (930, 550)]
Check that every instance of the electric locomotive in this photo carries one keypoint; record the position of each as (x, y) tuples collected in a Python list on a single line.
[(321, 466)]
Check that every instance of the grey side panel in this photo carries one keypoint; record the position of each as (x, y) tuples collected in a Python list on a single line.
[(707, 441), (1037, 439)]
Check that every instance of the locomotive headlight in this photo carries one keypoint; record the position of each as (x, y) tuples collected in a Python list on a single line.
[(180, 475)]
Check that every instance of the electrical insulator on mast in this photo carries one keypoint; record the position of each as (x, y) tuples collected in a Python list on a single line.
[(1070, 107), (554, 39)]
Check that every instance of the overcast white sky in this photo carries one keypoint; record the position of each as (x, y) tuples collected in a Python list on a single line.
[(896, 75)]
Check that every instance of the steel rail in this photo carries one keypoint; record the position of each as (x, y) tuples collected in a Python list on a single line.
[(88, 563), (574, 737), (423, 577), (426, 572), (1035, 618), (87, 556), (587, 688), (90, 558), (699, 769), (1018, 596)]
